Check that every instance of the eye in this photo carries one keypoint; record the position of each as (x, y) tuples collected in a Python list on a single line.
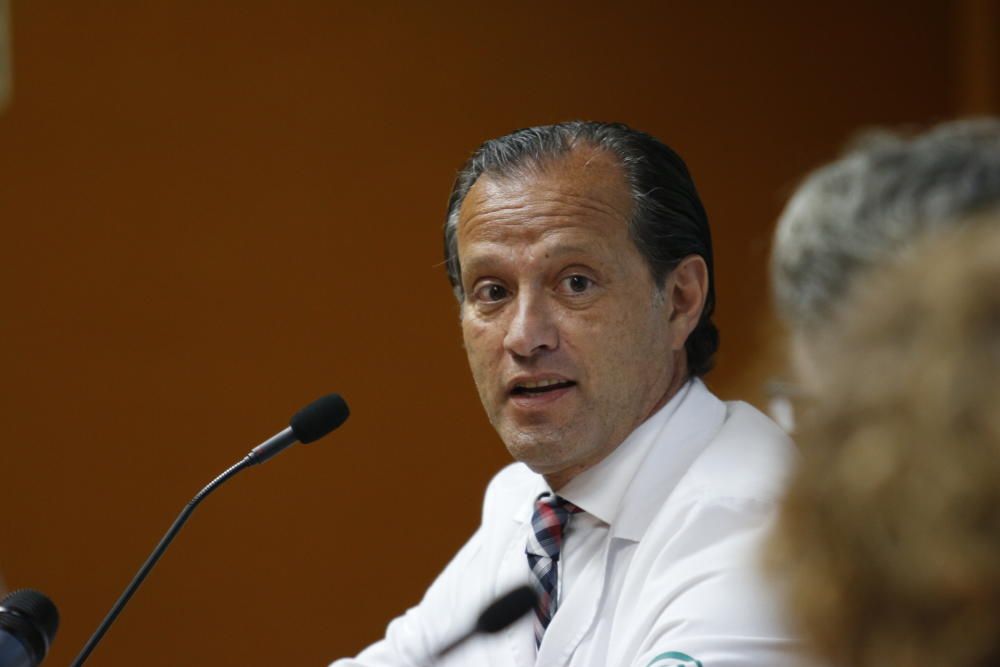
[(576, 284), (491, 293)]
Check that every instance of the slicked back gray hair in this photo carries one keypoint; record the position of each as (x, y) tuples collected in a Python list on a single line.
[(869, 207), (668, 221)]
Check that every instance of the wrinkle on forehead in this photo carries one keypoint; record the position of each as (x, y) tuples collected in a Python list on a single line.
[(498, 222), (585, 182)]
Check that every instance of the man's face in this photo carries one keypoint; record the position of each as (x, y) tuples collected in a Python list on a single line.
[(570, 342)]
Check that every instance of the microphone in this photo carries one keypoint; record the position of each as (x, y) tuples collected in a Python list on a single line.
[(307, 425), (28, 624), (502, 612)]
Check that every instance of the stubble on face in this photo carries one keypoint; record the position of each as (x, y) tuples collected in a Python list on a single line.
[(556, 291)]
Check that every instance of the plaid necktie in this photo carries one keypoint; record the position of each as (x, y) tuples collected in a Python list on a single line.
[(548, 524)]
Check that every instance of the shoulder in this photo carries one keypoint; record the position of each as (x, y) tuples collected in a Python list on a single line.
[(701, 553)]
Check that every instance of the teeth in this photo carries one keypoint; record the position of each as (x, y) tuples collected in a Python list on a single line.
[(540, 383)]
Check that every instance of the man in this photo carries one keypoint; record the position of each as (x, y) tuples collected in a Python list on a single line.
[(867, 209), (581, 257)]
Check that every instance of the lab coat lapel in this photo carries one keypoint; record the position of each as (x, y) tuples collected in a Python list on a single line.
[(697, 420)]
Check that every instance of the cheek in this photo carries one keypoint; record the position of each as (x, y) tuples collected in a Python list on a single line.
[(479, 340), (597, 329), (630, 343)]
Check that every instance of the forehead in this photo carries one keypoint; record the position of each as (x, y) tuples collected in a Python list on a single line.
[(583, 190)]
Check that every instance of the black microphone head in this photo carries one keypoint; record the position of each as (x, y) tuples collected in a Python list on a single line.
[(31, 617), (507, 609), (319, 418)]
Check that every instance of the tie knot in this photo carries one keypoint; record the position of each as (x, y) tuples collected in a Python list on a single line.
[(548, 523), (556, 504)]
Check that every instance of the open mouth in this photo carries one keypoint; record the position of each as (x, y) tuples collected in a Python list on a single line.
[(541, 387)]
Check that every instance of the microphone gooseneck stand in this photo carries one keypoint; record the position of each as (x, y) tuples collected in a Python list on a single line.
[(155, 556), (307, 425)]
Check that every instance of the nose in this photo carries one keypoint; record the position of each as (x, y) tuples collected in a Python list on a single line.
[(532, 328)]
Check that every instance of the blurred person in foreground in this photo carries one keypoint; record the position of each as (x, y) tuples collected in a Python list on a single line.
[(865, 209), (889, 539), (581, 258)]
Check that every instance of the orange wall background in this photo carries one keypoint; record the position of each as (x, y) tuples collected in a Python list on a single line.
[(213, 212)]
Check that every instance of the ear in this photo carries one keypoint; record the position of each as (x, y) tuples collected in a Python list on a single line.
[(686, 291)]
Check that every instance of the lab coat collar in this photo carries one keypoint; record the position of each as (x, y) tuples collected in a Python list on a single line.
[(599, 490), (678, 442)]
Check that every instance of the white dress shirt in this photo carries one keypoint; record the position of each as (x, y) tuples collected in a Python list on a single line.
[(660, 569)]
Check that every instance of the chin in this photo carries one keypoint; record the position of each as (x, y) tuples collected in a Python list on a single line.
[(544, 451), (527, 446)]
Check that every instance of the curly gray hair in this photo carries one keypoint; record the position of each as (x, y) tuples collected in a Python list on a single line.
[(868, 207)]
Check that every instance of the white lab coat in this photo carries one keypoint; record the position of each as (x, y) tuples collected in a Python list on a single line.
[(677, 581)]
